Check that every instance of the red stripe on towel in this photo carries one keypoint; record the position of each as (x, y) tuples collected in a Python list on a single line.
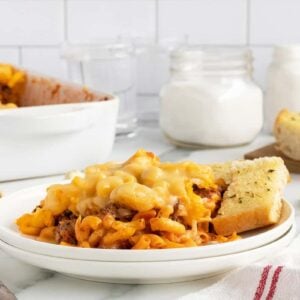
[(262, 282), (274, 283)]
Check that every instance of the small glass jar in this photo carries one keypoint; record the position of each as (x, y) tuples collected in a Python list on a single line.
[(283, 83), (153, 61), (210, 98), (108, 66)]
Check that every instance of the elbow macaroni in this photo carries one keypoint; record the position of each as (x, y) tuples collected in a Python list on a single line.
[(12, 84), (140, 204)]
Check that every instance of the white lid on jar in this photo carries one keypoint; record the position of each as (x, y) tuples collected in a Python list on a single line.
[(210, 52), (188, 58), (286, 52)]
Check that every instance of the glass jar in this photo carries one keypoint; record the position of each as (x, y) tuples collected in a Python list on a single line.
[(153, 61), (283, 83), (210, 98), (108, 66)]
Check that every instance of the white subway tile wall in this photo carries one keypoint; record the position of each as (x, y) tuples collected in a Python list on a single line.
[(44, 60), (31, 22), (204, 21), (262, 58), (10, 54), (91, 19), (274, 21), (32, 31)]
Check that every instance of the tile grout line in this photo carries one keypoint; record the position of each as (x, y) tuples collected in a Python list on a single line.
[(65, 21), (248, 14), (20, 58), (262, 45), (29, 46), (156, 21), (58, 45), (143, 94)]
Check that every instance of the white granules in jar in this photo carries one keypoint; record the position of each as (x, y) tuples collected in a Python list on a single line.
[(217, 104)]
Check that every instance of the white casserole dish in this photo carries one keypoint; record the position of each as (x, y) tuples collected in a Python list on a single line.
[(53, 139), (38, 139)]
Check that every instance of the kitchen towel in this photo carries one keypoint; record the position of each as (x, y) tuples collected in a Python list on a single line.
[(276, 278), (5, 293)]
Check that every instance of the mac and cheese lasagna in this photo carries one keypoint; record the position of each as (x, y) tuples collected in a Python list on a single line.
[(139, 204), (12, 84)]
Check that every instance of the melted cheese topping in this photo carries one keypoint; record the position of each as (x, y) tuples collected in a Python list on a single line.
[(7, 106), (142, 202), (141, 183), (12, 83)]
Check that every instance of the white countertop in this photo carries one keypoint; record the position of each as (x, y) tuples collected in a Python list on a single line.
[(29, 282)]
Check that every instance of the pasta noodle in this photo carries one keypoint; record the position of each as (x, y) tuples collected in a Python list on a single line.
[(12, 84), (139, 204)]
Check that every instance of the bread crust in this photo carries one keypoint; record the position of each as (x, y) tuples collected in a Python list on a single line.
[(287, 133), (247, 220), (253, 195)]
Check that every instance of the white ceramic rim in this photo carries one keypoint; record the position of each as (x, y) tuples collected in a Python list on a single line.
[(157, 272), (51, 119), (25, 200)]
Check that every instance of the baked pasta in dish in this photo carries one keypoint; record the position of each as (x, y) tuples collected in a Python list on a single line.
[(12, 84), (139, 204), (7, 106)]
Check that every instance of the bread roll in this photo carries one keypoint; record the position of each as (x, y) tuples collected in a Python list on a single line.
[(254, 193), (287, 133)]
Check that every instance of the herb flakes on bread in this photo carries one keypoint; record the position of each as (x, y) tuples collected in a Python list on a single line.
[(253, 196)]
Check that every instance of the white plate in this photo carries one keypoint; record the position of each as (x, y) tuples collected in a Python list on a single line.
[(149, 272), (14, 205)]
